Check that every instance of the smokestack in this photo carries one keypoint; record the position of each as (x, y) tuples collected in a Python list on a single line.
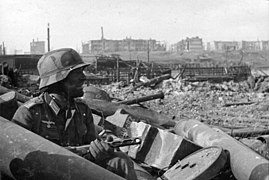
[(4, 49), (102, 33), (48, 37)]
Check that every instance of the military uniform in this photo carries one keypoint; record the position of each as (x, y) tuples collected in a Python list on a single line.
[(68, 125), (43, 116)]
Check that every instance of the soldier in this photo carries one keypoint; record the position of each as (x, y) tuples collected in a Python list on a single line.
[(9, 72), (59, 116)]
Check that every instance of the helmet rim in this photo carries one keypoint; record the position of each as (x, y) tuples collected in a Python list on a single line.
[(55, 65)]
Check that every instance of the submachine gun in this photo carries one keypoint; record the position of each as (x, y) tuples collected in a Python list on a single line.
[(82, 150)]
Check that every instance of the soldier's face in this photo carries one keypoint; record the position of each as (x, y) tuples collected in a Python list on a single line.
[(74, 83)]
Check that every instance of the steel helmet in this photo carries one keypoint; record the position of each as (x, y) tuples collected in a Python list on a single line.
[(55, 65)]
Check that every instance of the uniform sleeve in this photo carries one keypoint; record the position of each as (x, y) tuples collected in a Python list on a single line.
[(23, 117)]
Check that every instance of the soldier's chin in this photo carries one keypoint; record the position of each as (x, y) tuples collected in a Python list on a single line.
[(78, 93)]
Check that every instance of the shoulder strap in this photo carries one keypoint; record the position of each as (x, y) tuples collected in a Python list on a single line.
[(35, 108), (35, 101)]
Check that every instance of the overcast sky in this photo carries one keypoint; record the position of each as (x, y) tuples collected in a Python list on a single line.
[(72, 22)]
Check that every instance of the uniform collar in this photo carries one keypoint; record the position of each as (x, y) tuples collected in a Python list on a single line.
[(58, 102)]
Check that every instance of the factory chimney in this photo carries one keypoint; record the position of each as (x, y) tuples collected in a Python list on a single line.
[(48, 30), (103, 40), (102, 32)]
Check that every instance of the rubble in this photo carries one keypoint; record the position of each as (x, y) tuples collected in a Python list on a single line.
[(204, 101), (4, 81), (236, 111)]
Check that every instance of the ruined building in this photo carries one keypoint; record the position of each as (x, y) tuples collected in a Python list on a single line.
[(265, 45), (194, 44), (37, 47), (251, 45), (226, 45), (243, 45), (128, 44)]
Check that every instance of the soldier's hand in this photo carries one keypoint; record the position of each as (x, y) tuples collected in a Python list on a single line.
[(107, 135), (100, 150)]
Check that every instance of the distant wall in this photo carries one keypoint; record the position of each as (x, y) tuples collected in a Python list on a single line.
[(24, 63)]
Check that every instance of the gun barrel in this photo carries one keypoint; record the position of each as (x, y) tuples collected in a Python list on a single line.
[(159, 95), (125, 142)]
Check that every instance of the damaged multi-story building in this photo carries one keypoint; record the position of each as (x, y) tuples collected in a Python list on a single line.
[(240, 45), (251, 45), (265, 45), (37, 47), (226, 45), (128, 44), (194, 44)]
